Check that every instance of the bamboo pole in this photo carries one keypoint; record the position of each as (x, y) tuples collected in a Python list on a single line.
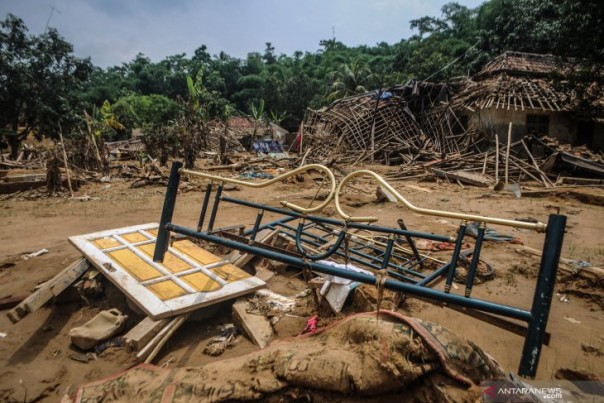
[(546, 180), (65, 161), (507, 153), (497, 159)]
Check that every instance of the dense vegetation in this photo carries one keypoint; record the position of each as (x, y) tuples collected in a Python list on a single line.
[(45, 89)]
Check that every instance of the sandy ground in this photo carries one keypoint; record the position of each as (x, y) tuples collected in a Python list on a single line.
[(34, 353)]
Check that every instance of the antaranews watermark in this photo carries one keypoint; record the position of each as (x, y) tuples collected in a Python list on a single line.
[(542, 391)]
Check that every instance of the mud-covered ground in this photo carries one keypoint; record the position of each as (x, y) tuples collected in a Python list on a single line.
[(35, 363)]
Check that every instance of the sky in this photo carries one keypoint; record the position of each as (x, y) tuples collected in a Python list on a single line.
[(112, 32)]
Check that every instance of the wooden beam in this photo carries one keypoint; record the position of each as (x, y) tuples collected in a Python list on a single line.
[(11, 301), (150, 351), (496, 159), (257, 327), (143, 332), (265, 236), (48, 290), (507, 153)]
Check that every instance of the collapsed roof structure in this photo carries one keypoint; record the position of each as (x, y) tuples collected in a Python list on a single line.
[(539, 94), (389, 125)]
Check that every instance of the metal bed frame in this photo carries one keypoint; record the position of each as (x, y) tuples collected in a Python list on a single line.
[(318, 238)]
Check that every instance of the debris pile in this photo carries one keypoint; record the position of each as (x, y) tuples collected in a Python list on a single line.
[(548, 164), (389, 126)]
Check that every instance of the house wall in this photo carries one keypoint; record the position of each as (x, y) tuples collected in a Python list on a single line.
[(496, 121)]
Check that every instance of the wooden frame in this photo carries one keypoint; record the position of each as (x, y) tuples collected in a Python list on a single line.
[(189, 279)]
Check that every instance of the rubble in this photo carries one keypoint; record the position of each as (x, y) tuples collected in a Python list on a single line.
[(390, 126)]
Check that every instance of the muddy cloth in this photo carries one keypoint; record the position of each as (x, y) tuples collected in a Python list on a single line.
[(491, 235), (355, 357)]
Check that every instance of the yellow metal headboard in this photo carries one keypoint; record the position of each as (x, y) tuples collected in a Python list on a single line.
[(279, 178), (539, 226)]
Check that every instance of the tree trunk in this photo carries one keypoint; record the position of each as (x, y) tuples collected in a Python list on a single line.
[(14, 142)]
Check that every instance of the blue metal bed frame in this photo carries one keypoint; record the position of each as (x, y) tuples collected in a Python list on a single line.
[(410, 277)]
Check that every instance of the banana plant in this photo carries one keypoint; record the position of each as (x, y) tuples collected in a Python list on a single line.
[(278, 117), (258, 115)]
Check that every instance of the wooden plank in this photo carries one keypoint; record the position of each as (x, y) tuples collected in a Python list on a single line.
[(465, 177), (150, 351), (143, 332), (257, 327), (596, 271), (496, 159), (157, 299), (48, 290), (11, 301), (265, 236), (414, 187), (544, 177), (507, 153)]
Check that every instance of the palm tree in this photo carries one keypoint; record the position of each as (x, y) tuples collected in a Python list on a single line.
[(349, 79)]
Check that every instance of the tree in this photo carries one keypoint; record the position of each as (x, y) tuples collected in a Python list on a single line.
[(349, 79), (138, 110), (40, 81), (258, 115)]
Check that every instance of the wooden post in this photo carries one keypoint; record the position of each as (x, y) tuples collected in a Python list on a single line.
[(301, 138), (507, 153), (65, 160), (544, 177), (372, 141), (496, 159)]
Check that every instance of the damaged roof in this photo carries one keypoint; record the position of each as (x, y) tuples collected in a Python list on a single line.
[(519, 63), (520, 81)]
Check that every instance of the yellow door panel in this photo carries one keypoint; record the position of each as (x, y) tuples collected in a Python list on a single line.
[(201, 256), (135, 237), (105, 243), (230, 273), (134, 265), (167, 290), (201, 282), (171, 262)]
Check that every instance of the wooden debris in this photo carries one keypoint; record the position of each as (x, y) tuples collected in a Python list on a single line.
[(470, 178), (48, 290), (257, 327), (140, 335), (595, 271), (265, 236), (392, 126), (151, 349), (11, 301)]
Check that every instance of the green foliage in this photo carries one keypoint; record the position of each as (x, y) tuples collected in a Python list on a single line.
[(40, 83), (277, 117), (138, 110), (350, 79), (104, 124), (161, 141), (46, 84), (258, 115)]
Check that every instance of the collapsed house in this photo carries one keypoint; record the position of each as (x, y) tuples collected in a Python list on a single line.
[(531, 102), (392, 126), (538, 95)]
